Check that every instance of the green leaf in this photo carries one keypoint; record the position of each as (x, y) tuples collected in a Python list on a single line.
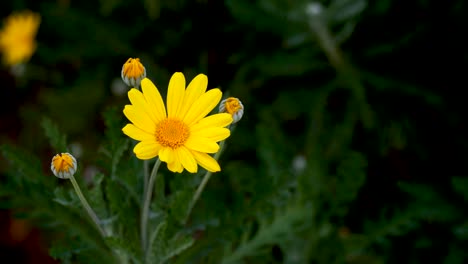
[(157, 242), (127, 211), (176, 246), (56, 138), (116, 143), (24, 163), (428, 204), (351, 175), (122, 249), (164, 247), (179, 203), (96, 196), (284, 225), (66, 197)]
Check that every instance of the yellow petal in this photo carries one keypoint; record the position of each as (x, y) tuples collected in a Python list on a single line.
[(139, 102), (175, 166), (206, 161), (139, 119), (187, 160), (195, 89), (216, 120), (136, 133), (201, 144), (175, 94), (147, 150), (203, 106), (154, 99), (213, 133), (167, 155)]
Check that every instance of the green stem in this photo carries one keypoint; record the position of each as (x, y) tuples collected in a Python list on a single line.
[(203, 183), (145, 172), (146, 204), (86, 206)]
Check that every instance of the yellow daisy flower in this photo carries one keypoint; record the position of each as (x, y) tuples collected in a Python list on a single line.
[(17, 37), (63, 165), (183, 136)]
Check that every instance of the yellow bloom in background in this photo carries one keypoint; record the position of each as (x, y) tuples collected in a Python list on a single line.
[(63, 165), (17, 37), (232, 106), (133, 72), (183, 136)]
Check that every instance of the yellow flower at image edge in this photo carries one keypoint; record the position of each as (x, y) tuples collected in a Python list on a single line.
[(63, 165), (17, 37), (183, 136)]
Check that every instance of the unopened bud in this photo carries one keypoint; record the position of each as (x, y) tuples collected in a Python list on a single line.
[(133, 72), (63, 165), (232, 106)]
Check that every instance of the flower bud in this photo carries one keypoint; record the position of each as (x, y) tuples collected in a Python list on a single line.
[(63, 165), (133, 72), (232, 106)]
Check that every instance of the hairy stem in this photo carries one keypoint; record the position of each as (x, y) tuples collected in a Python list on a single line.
[(87, 207), (146, 204)]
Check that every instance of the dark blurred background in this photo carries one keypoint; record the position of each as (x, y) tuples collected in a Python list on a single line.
[(383, 78)]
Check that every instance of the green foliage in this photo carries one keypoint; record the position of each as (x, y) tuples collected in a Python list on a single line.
[(56, 139), (338, 158), (284, 227)]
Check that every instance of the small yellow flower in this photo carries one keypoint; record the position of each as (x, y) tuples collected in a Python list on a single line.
[(63, 165), (183, 136), (133, 72), (232, 106), (17, 37)]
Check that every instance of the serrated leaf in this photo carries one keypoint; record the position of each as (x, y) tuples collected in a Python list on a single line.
[(56, 139), (179, 203), (113, 121), (283, 225), (428, 204), (117, 154), (177, 246), (65, 197), (156, 241), (25, 163), (96, 197), (159, 241), (122, 249), (351, 175), (127, 212)]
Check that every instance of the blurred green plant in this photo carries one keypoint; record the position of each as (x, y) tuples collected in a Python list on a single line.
[(299, 168)]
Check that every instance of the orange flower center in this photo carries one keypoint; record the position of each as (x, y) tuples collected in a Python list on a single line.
[(172, 133), (232, 105), (62, 162), (133, 68)]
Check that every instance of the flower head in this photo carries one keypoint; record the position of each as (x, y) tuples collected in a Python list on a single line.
[(232, 106), (17, 37), (63, 165), (133, 72), (183, 136)]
